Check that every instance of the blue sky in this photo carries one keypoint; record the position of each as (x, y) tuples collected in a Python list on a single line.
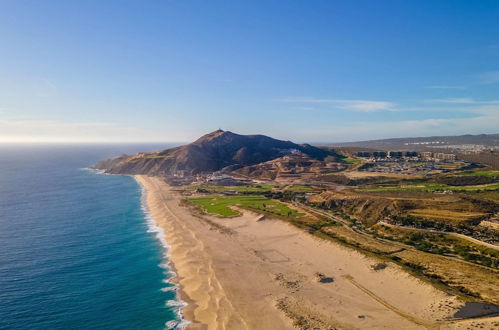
[(309, 71)]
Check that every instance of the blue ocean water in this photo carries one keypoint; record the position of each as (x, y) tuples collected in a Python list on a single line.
[(77, 250)]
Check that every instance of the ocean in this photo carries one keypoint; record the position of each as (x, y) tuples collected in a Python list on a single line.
[(77, 248)]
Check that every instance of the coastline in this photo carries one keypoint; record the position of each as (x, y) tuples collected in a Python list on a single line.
[(208, 303), (166, 265), (242, 274)]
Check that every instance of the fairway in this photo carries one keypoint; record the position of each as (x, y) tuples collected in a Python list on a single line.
[(220, 205), (490, 174), (300, 188), (350, 160)]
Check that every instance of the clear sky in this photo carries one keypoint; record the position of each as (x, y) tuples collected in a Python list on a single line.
[(309, 71)]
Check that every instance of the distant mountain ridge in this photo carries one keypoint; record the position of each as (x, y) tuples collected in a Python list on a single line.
[(410, 142), (218, 150)]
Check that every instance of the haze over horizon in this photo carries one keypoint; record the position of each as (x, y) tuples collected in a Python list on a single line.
[(319, 71)]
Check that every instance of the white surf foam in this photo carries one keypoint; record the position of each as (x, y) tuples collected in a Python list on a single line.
[(177, 303), (176, 325), (153, 227), (94, 170)]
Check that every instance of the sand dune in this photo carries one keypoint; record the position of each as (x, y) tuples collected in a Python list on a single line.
[(240, 273)]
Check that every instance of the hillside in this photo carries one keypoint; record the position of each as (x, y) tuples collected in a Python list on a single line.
[(298, 167), (219, 150)]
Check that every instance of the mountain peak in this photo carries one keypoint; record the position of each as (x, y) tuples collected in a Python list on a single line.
[(213, 135), (211, 152)]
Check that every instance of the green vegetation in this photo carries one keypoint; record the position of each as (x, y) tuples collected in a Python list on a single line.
[(434, 187), (489, 174), (300, 188), (252, 188), (437, 243), (316, 226), (220, 205), (350, 160), (422, 186)]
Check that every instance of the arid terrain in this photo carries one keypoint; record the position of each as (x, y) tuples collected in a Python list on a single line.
[(315, 237), (250, 272)]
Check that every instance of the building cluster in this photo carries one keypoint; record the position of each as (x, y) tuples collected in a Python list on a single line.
[(437, 156), (406, 155), (424, 143), (407, 162), (468, 148), (218, 179), (402, 167)]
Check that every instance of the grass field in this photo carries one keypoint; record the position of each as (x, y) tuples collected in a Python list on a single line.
[(351, 160), (220, 205), (490, 174), (300, 188), (434, 187)]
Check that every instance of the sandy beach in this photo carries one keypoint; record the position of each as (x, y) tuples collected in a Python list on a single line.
[(240, 273)]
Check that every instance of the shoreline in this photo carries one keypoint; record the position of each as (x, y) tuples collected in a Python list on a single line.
[(247, 274), (208, 305), (167, 266)]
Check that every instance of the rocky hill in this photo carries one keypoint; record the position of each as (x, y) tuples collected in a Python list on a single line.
[(297, 166), (216, 151)]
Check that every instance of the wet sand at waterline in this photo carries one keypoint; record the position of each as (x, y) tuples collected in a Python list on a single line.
[(240, 273)]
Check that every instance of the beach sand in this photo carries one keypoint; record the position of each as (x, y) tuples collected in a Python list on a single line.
[(240, 273)]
